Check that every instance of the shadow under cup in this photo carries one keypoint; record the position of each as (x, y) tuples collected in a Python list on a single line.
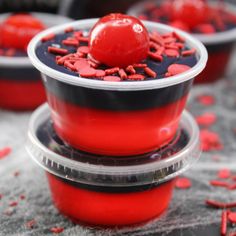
[(116, 122)]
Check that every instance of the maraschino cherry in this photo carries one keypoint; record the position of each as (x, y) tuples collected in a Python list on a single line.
[(18, 29), (190, 12), (119, 40)]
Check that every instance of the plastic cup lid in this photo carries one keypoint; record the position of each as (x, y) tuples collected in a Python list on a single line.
[(49, 20), (54, 156), (217, 38), (86, 25)]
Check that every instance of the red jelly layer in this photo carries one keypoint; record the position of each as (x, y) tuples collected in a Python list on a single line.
[(21, 95), (216, 65), (117, 133), (109, 209)]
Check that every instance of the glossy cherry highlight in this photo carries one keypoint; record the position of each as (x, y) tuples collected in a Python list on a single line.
[(119, 40)]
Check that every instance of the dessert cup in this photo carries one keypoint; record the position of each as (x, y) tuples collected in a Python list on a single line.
[(220, 45), (116, 118), (110, 191), (20, 84)]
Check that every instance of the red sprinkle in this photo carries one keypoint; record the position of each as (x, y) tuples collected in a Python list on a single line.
[(222, 205), (57, 230), (206, 100), (48, 37), (112, 78), (183, 183), (210, 141), (188, 52), (100, 73), (22, 196), (224, 219), (130, 69), (206, 119), (13, 203), (81, 64), (176, 69), (155, 56), (83, 39), (122, 74), (218, 183), (171, 53), (178, 37), (4, 152), (73, 43), (60, 51), (150, 72), (139, 65), (87, 72), (232, 187), (83, 49), (30, 224), (232, 217), (112, 71), (224, 173), (136, 77), (16, 173)]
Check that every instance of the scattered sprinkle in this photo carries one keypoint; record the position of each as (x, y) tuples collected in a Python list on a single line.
[(206, 119), (30, 224), (183, 183), (5, 152), (224, 173), (206, 100), (57, 230)]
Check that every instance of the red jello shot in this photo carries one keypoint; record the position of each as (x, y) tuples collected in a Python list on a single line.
[(110, 191), (211, 22), (21, 87), (112, 115)]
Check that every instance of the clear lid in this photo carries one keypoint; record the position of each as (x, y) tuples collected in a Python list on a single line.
[(47, 150)]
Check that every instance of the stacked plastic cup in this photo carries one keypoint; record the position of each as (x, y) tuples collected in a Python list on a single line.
[(220, 45), (112, 150)]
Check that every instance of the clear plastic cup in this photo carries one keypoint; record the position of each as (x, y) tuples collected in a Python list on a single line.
[(220, 46), (21, 87), (116, 118), (110, 191)]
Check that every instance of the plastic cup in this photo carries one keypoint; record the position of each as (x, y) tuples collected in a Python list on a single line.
[(219, 45), (21, 87), (110, 191), (116, 118)]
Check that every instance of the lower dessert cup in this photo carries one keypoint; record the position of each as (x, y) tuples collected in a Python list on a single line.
[(111, 191)]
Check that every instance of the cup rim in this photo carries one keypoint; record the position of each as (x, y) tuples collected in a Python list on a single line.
[(24, 61), (177, 163), (217, 38), (123, 85)]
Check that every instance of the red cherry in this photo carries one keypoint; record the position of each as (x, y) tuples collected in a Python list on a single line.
[(190, 12), (119, 40), (17, 30)]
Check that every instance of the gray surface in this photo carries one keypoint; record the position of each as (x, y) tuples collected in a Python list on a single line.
[(187, 210)]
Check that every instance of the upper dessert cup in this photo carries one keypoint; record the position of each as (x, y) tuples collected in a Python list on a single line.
[(114, 118), (220, 44), (18, 76)]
